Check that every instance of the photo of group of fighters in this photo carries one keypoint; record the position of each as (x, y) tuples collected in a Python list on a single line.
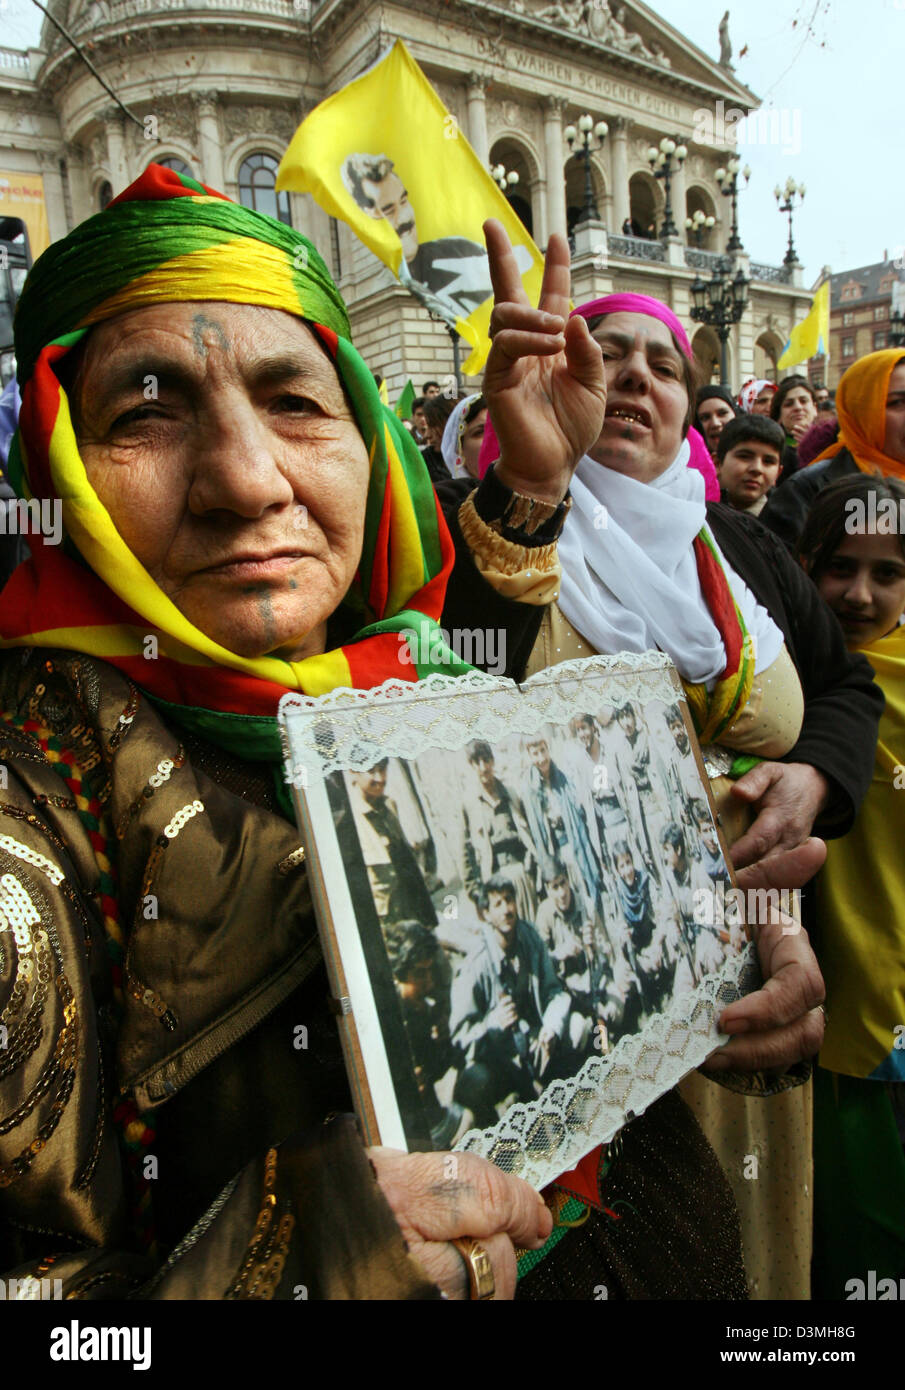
[(538, 899)]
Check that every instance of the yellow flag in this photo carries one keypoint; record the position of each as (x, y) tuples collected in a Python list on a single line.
[(22, 196), (811, 337), (384, 155)]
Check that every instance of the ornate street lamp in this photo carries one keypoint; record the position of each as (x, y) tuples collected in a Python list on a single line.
[(720, 303), (896, 336), (665, 162), (580, 140), (728, 181), (697, 225), (785, 202), (504, 178)]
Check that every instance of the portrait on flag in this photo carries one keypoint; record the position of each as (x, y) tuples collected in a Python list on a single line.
[(384, 155)]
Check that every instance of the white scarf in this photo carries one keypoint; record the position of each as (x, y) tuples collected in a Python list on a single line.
[(630, 579), (451, 444)]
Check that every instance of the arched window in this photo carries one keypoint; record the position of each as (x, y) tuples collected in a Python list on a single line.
[(172, 161), (257, 176), (104, 194)]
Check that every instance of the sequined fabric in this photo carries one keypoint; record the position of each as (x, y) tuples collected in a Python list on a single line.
[(158, 950), (671, 1230)]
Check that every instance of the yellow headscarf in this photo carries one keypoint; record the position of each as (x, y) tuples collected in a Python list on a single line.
[(861, 408)]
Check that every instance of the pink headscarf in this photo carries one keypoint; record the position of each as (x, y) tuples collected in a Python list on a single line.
[(655, 309)]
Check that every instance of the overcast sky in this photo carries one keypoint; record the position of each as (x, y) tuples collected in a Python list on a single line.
[(838, 64), (833, 70)]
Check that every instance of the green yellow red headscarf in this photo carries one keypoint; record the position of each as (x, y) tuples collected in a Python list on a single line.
[(861, 411), (168, 237)]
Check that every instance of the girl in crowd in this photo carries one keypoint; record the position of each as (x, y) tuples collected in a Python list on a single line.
[(870, 405), (715, 408), (794, 405), (854, 550), (462, 436)]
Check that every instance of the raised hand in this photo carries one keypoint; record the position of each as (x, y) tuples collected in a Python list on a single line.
[(544, 381)]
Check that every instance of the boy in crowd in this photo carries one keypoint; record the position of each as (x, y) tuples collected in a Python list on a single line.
[(748, 460)]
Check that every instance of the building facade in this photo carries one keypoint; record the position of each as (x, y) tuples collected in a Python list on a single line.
[(218, 87), (860, 304)]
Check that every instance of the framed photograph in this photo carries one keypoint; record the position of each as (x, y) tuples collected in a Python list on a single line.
[(522, 892)]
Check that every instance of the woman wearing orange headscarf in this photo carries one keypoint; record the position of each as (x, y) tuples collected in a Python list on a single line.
[(870, 404)]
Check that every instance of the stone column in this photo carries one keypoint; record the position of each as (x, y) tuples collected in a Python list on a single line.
[(79, 183), (539, 211), (54, 199), (477, 117), (618, 138), (116, 149), (554, 165), (677, 195), (209, 142)]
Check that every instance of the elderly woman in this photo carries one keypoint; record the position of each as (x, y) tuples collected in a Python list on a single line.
[(242, 517), (768, 679)]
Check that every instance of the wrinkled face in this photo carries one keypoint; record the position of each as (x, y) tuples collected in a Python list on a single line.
[(713, 414), (539, 753), (864, 584), (472, 437), (502, 914), (748, 471), (646, 396), (762, 402), (560, 892), (797, 409), (894, 441), (625, 868), (240, 483), (390, 200)]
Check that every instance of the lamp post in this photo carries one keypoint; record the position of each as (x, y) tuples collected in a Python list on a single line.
[(580, 140), (697, 225), (505, 179), (720, 304), (664, 163), (785, 202), (728, 181), (896, 336)]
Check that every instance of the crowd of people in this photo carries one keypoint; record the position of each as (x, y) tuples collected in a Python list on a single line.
[(265, 525)]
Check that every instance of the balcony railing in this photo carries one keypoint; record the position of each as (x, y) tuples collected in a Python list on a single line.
[(773, 274), (13, 59), (698, 259), (637, 248)]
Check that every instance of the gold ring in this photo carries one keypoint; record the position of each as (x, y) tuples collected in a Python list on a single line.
[(481, 1283)]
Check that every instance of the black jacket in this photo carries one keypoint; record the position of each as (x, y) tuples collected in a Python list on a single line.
[(843, 703), (788, 507)]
